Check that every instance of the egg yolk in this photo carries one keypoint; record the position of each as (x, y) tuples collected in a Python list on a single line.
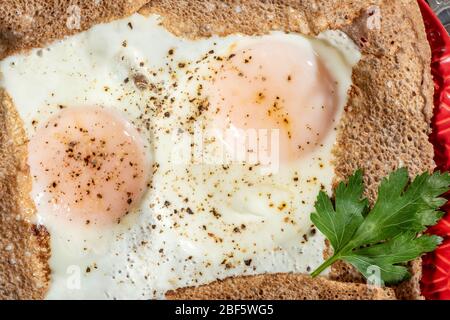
[(274, 84), (88, 166)]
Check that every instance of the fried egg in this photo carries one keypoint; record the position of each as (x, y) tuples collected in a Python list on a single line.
[(160, 162)]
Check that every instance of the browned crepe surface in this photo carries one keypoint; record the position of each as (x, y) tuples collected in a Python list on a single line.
[(282, 286)]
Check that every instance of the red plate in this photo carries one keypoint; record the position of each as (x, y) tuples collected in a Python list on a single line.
[(436, 266)]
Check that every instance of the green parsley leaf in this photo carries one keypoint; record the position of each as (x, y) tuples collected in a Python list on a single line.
[(339, 224), (405, 247), (387, 235)]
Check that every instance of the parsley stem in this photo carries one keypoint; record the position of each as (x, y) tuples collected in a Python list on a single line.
[(325, 265)]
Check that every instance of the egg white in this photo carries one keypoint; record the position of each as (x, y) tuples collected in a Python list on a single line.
[(161, 245)]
